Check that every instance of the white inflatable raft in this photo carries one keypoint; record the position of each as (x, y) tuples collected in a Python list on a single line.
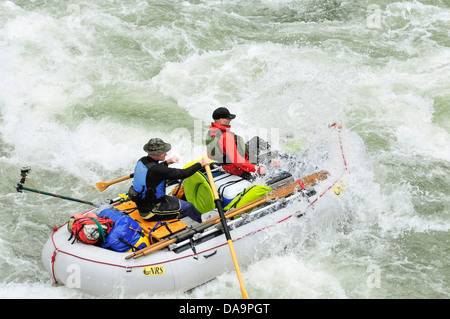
[(190, 262)]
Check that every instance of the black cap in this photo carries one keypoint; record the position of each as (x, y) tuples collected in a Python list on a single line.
[(222, 113)]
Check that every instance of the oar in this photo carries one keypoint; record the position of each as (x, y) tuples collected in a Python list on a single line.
[(281, 192), (104, 185), (19, 187), (226, 230), (278, 193)]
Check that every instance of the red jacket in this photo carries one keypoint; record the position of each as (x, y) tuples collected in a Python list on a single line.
[(235, 161)]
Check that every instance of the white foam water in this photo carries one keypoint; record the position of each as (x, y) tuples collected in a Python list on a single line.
[(84, 85)]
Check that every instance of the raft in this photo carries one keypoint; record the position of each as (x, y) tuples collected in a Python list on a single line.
[(201, 253)]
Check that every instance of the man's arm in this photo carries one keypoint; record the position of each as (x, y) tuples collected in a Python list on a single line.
[(168, 173)]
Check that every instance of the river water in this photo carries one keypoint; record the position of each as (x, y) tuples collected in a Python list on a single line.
[(85, 84)]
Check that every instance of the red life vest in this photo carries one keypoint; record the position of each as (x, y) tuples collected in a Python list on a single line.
[(232, 154), (89, 228)]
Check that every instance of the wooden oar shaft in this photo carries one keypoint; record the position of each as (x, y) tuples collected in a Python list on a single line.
[(148, 250), (104, 185), (121, 179), (278, 193), (238, 270)]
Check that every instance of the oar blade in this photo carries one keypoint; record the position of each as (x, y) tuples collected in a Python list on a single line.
[(102, 186)]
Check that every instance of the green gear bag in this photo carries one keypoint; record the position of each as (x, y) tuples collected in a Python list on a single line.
[(248, 195), (198, 192)]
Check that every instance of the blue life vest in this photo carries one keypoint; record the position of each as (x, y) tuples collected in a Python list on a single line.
[(126, 235), (140, 181)]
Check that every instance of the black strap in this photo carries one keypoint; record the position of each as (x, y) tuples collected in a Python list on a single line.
[(222, 187), (178, 189), (133, 248), (240, 196), (167, 227)]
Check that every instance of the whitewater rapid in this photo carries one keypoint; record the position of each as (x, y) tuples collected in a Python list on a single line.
[(83, 86)]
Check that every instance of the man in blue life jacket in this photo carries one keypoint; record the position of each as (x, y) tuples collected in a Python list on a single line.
[(149, 186)]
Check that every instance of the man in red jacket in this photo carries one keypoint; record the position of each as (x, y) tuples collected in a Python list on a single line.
[(228, 148)]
